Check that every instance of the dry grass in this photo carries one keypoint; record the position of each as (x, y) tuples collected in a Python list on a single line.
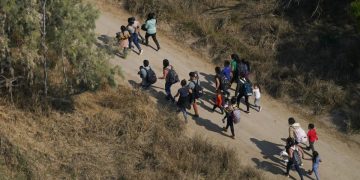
[(299, 58), (111, 134)]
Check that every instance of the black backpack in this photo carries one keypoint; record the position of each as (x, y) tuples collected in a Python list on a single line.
[(150, 76), (224, 82), (198, 91), (242, 69), (172, 77)]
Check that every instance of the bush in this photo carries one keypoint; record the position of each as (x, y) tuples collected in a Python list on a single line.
[(74, 64)]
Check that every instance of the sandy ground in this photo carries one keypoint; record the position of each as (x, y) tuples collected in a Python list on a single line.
[(259, 136)]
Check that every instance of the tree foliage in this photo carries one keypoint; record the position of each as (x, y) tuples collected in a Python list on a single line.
[(74, 63), (355, 10)]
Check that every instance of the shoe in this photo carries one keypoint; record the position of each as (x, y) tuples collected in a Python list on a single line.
[(223, 120), (232, 137), (248, 112), (286, 174), (196, 115), (259, 108), (224, 129), (141, 51), (158, 49)]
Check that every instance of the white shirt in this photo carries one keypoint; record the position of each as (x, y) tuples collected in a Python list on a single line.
[(257, 93)]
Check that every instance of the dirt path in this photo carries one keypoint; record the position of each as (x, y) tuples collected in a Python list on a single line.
[(259, 136)]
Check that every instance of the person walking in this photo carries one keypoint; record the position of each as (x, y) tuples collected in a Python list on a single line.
[(144, 74), (193, 85), (233, 64), (123, 40), (315, 165), (243, 86), (221, 82), (133, 35), (183, 101), (257, 94), (312, 136), (295, 154), (170, 77), (226, 71), (150, 26), (137, 29), (229, 118), (219, 101)]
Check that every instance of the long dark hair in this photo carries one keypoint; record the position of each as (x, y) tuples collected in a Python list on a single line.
[(123, 28), (165, 63), (315, 155), (235, 57)]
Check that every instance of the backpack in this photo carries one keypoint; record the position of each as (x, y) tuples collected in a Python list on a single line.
[(236, 116), (241, 69), (198, 90), (247, 63), (172, 77), (301, 136), (150, 76), (224, 82), (143, 27), (296, 156)]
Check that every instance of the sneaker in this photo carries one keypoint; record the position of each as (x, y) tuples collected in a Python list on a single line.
[(158, 49), (248, 112), (196, 115), (224, 129), (286, 174), (233, 137), (141, 51)]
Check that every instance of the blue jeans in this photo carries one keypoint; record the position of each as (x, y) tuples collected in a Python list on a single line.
[(134, 38), (316, 172), (168, 90)]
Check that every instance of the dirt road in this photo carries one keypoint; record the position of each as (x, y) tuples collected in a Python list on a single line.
[(259, 136)]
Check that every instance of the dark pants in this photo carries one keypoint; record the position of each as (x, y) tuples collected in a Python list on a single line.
[(226, 93), (153, 37), (311, 146), (135, 39), (246, 101), (168, 91), (230, 123), (297, 168), (221, 109)]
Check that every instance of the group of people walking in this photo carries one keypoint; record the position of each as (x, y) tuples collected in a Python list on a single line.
[(294, 152), (131, 34), (234, 70)]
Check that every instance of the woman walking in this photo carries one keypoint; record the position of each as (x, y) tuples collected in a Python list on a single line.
[(150, 26), (183, 101), (123, 39)]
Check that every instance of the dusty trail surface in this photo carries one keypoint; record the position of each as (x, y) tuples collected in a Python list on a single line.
[(259, 136)]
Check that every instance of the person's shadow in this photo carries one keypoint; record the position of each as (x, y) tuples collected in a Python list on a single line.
[(210, 126)]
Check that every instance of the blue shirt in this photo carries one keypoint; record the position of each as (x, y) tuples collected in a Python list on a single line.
[(316, 163), (226, 72), (151, 26)]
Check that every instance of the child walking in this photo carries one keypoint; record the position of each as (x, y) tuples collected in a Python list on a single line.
[(257, 94), (183, 100), (315, 165), (230, 122), (219, 101), (312, 136)]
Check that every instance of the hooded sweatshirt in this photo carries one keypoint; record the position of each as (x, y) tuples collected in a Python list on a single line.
[(292, 129)]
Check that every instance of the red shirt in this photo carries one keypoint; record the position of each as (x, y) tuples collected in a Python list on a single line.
[(312, 135)]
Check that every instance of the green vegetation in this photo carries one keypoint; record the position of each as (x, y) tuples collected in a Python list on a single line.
[(303, 52), (73, 63), (355, 9)]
